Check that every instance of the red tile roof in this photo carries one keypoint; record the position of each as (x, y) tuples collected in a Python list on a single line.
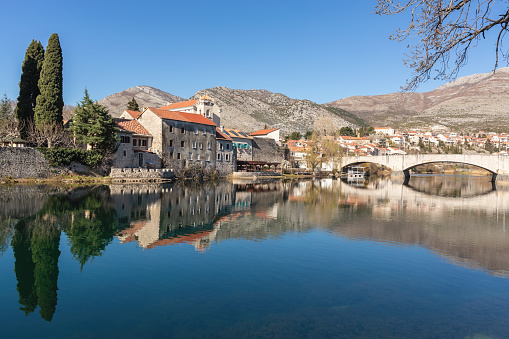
[(263, 131), (181, 104), (131, 126), (222, 136), (181, 116), (134, 114)]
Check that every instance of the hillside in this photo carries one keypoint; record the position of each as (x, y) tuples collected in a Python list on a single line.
[(473, 102), (145, 97), (251, 110), (247, 110)]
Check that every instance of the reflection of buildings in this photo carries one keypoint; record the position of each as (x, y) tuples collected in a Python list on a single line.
[(172, 213)]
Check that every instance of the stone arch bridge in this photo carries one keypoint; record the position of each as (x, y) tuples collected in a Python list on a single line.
[(401, 165)]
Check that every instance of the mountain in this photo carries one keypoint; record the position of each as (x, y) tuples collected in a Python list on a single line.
[(473, 102), (248, 110), (145, 96)]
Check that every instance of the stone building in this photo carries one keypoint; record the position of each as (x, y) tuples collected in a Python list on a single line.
[(181, 139), (226, 155), (272, 133), (242, 142), (203, 106), (134, 146)]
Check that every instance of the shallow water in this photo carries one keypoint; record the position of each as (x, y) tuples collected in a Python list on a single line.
[(304, 259)]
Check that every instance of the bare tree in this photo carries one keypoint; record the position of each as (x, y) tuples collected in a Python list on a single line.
[(446, 30), (50, 134), (8, 129)]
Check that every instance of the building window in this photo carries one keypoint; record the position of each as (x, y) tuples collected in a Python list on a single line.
[(227, 146), (135, 142), (196, 131), (171, 142), (208, 113), (183, 130), (171, 128), (194, 144), (220, 145), (201, 145), (197, 157), (227, 157), (178, 156), (125, 139), (218, 156), (208, 159), (171, 155), (208, 145), (204, 132), (125, 153), (190, 156), (143, 143), (182, 144)]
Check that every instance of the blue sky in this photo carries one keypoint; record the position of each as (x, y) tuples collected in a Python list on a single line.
[(316, 50)]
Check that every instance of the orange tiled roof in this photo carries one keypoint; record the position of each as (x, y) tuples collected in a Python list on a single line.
[(131, 126), (181, 116), (222, 136), (263, 132), (181, 104), (235, 133), (134, 114)]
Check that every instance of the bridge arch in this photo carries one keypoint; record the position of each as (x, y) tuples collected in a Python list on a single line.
[(404, 163)]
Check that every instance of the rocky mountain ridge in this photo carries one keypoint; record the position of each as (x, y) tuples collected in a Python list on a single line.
[(145, 96), (248, 110), (473, 102)]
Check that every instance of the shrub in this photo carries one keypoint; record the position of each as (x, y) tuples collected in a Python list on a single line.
[(57, 156)]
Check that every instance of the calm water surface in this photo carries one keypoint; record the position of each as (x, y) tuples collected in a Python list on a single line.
[(306, 259)]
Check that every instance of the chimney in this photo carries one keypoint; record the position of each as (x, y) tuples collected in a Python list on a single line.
[(222, 129)]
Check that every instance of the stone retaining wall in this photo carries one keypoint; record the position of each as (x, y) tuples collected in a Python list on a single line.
[(23, 162), (141, 174)]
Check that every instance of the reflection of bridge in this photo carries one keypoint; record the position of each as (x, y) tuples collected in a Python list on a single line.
[(401, 164)]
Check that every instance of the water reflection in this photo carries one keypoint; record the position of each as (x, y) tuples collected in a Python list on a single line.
[(460, 219)]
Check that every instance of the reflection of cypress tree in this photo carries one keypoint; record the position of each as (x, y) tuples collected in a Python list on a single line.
[(45, 253), (24, 267)]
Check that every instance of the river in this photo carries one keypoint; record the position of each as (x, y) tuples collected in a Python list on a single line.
[(299, 259)]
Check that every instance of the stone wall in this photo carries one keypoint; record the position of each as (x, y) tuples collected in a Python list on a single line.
[(141, 174), (23, 163), (267, 150)]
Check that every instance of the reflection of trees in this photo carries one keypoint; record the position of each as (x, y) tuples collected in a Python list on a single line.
[(88, 222), (45, 253), (24, 267)]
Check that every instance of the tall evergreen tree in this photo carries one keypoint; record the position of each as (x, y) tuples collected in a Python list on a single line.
[(50, 101), (133, 105), (93, 126), (28, 86)]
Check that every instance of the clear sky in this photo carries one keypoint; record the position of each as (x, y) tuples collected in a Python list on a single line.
[(320, 50)]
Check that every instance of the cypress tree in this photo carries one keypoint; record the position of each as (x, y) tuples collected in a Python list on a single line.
[(28, 86), (50, 101), (133, 105)]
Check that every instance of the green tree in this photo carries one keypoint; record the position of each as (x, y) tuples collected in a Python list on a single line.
[(308, 135), (50, 102), (28, 86), (347, 131), (93, 126), (133, 105), (295, 136), (5, 108)]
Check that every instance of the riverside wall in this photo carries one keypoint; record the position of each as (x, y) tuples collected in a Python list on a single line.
[(23, 162)]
